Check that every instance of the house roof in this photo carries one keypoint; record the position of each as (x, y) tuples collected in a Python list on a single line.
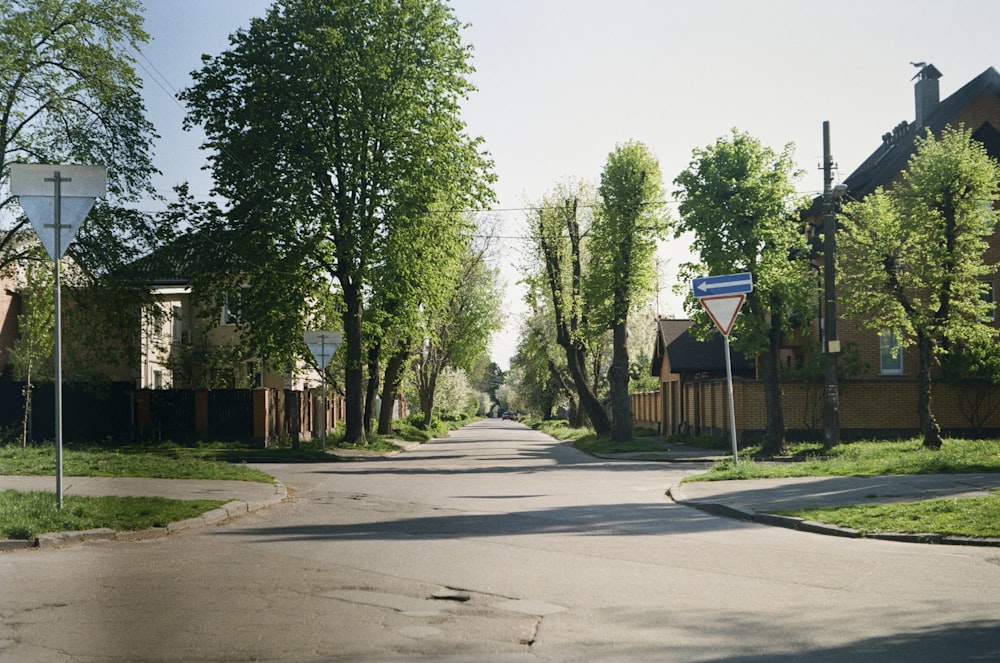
[(891, 157), (686, 354)]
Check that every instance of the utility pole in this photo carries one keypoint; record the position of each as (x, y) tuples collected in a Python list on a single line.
[(831, 346)]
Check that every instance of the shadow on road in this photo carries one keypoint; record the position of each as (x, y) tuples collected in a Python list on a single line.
[(591, 520)]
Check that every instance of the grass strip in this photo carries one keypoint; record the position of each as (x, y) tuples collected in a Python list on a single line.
[(965, 516), (121, 462), (866, 458), (26, 515)]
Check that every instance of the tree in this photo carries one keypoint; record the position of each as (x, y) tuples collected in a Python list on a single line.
[(460, 332), (913, 255), (558, 247), (418, 275), (622, 272), (69, 94), (346, 119), (737, 198), (543, 381), (31, 353)]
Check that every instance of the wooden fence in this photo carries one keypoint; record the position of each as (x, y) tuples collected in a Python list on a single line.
[(120, 412)]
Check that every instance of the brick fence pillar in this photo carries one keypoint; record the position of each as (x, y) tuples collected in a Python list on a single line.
[(261, 416)]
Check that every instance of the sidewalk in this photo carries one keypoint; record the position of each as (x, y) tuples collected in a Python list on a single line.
[(753, 499), (240, 496)]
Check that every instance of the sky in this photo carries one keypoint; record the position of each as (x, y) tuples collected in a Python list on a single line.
[(561, 82)]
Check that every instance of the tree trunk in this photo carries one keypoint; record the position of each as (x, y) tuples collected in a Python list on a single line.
[(774, 439), (621, 408), (354, 430), (576, 359), (390, 389), (371, 391), (928, 424), (427, 399)]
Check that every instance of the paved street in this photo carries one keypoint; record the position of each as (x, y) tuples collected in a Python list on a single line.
[(496, 544)]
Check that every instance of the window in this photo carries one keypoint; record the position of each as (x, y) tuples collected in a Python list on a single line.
[(232, 304), (176, 324), (890, 353)]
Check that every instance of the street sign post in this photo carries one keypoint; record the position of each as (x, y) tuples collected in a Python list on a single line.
[(56, 199), (323, 345), (722, 297)]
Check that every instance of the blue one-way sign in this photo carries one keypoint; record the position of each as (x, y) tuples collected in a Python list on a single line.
[(727, 284)]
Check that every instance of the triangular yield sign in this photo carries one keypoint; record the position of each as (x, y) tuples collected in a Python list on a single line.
[(323, 344), (40, 210), (723, 310)]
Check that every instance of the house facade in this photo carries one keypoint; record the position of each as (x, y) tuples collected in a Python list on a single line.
[(880, 397)]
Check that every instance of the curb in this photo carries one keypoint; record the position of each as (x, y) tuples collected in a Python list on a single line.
[(214, 517), (791, 522)]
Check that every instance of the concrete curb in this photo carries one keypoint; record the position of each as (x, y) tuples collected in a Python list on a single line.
[(676, 493), (214, 517)]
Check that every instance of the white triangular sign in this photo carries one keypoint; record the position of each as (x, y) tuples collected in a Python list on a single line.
[(723, 310), (322, 345), (40, 210)]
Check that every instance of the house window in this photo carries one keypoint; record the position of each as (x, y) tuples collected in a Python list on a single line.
[(232, 305), (157, 379), (176, 324), (988, 295), (890, 353)]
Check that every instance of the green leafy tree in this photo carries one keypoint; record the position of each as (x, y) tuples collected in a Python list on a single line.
[(31, 353), (348, 112), (558, 234), (69, 94), (543, 381), (622, 272), (423, 257), (460, 332), (738, 201), (913, 255)]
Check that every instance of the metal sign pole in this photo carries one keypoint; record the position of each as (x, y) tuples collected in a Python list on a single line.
[(29, 182), (323, 354), (732, 402), (57, 227)]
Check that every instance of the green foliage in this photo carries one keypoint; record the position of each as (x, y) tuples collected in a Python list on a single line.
[(32, 352), (870, 458), (624, 234), (913, 255), (369, 141), (738, 201), (70, 94), (26, 515), (739, 205)]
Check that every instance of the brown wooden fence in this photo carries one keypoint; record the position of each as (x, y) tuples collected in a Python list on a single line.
[(264, 416)]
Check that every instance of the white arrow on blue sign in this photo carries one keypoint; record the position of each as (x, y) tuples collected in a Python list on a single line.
[(727, 284)]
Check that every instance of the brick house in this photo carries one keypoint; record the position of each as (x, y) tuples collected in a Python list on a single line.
[(882, 398)]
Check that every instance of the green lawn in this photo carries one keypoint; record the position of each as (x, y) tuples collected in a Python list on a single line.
[(163, 463), (26, 515), (970, 516), (977, 517), (869, 458)]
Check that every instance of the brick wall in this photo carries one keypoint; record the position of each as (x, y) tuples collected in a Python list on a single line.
[(866, 405)]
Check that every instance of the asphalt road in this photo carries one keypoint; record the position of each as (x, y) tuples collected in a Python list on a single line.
[(496, 544)]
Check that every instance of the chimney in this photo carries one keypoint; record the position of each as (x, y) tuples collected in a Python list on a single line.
[(926, 92)]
